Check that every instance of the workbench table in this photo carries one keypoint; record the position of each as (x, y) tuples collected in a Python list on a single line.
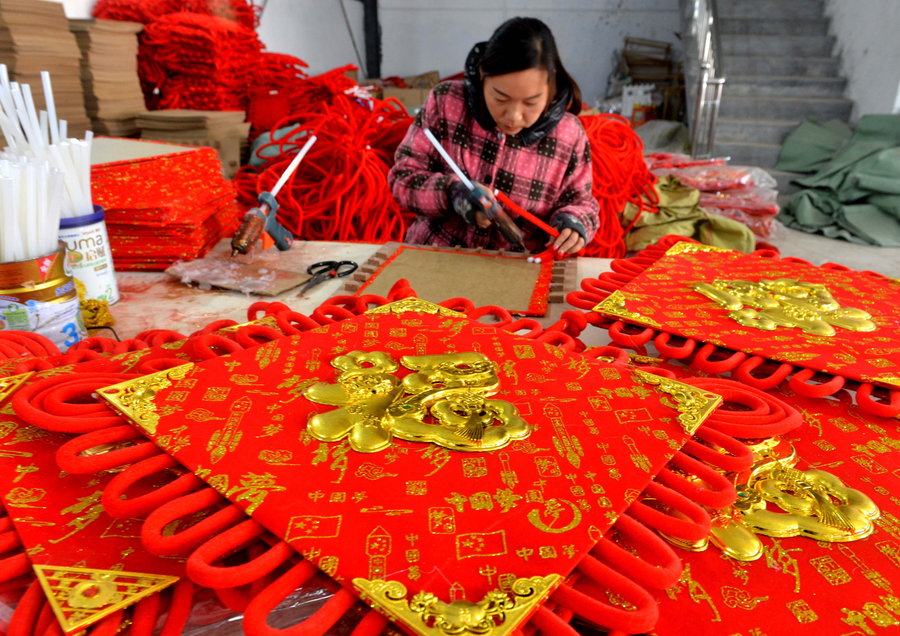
[(155, 300)]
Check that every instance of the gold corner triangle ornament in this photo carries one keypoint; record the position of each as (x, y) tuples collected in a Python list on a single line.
[(414, 305), (499, 613), (693, 404), (265, 321), (81, 597), (683, 247), (134, 399), (10, 384), (614, 305)]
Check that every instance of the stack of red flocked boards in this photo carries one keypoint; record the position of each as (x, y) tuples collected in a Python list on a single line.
[(520, 532), (165, 208), (557, 528), (829, 348)]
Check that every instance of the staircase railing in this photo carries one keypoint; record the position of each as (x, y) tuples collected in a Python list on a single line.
[(704, 42)]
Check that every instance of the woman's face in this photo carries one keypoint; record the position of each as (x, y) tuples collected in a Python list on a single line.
[(517, 100)]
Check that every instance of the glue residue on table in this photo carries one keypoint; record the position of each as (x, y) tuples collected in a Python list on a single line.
[(225, 273)]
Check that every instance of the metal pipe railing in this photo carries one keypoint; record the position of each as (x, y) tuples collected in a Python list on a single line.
[(711, 78)]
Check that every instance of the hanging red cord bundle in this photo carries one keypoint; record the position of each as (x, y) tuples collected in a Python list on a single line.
[(340, 191), (209, 62), (147, 11), (620, 175)]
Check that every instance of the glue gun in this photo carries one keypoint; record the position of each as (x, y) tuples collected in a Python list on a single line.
[(510, 231), (262, 222)]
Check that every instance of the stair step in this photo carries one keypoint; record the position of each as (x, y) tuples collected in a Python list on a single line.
[(793, 108), (785, 86), (795, 45), (744, 153), (781, 65), (772, 9), (751, 26), (769, 131)]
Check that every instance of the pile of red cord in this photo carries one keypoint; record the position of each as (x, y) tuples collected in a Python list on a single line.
[(146, 11), (340, 191), (620, 176), (203, 54), (188, 60)]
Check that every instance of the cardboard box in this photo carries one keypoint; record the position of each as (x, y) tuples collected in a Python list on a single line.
[(418, 87), (410, 97), (426, 80)]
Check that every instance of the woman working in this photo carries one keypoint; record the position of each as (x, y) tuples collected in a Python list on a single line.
[(510, 126)]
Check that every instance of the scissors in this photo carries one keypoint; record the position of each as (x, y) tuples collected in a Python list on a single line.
[(324, 270)]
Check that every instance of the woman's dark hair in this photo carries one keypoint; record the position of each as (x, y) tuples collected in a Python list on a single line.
[(523, 43)]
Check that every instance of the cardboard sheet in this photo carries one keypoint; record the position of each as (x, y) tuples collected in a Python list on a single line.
[(507, 281)]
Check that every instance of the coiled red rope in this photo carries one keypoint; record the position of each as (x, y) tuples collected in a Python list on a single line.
[(340, 191), (620, 175)]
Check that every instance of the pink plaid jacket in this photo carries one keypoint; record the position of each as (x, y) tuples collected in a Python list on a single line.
[(551, 178)]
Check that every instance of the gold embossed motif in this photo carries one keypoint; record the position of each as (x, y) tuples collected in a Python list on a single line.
[(802, 611), (817, 505), (785, 302), (134, 398), (375, 405), (9, 384), (684, 247), (499, 613), (81, 596), (887, 378), (416, 306), (614, 305), (693, 404)]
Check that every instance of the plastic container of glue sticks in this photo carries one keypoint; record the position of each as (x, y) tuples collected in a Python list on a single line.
[(90, 256), (38, 295)]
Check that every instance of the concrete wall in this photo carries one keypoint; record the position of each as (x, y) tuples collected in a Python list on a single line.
[(870, 50), (422, 35), (425, 35), (76, 9)]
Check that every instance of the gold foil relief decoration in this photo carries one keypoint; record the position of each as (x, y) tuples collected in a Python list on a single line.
[(8, 385), (375, 405), (614, 305), (692, 248), (414, 305), (499, 613), (134, 398), (81, 596), (784, 302), (693, 404), (817, 505), (887, 378), (813, 503)]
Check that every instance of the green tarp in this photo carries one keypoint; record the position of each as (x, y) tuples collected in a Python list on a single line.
[(854, 189)]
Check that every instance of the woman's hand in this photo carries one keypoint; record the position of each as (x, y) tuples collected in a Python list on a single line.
[(472, 205), (568, 242), (481, 220)]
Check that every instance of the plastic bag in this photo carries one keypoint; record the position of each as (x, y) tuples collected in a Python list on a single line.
[(762, 226), (715, 178), (755, 201), (660, 160)]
